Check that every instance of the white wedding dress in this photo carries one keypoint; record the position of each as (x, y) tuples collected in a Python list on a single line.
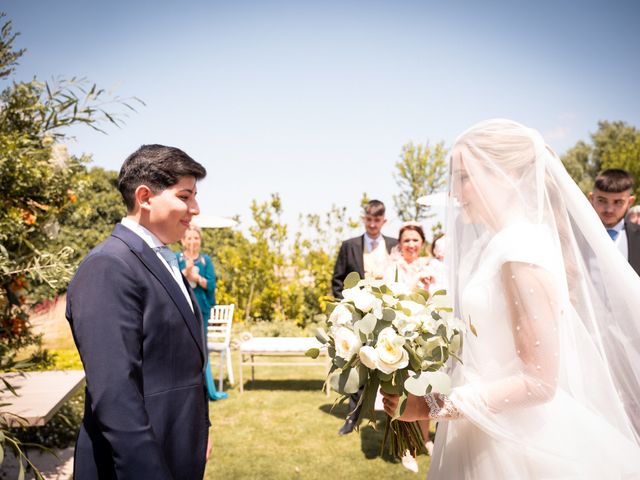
[(504, 434), (549, 387)]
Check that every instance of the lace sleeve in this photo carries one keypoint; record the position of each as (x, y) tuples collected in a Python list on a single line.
[(534, 313)]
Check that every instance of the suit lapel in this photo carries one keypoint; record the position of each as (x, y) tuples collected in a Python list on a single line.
[(198, 313), (633, 246), (358, 252), (158, 270), (389, 243)]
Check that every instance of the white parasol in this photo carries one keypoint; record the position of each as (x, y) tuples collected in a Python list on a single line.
[(212, 221)]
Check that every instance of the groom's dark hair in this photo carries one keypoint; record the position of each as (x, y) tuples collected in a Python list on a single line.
[(158, 167), (614, 180), (375, 208)]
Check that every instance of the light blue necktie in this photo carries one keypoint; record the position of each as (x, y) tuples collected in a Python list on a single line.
[(613, 233), (168, 255)]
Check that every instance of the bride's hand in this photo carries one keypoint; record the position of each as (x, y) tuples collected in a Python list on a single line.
[(415, 409)]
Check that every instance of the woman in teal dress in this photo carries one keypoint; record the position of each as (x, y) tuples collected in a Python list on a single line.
[(198, 269)]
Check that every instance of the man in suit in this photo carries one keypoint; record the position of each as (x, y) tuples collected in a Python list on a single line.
[(139, 332), (612, 196), (366, 254)]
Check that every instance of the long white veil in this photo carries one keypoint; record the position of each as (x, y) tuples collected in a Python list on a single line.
[(571, 341)]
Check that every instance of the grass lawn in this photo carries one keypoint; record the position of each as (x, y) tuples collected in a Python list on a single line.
[(282, 427)]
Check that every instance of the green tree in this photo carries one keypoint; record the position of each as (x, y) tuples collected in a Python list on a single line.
[(35, 189), (580, 164), (613, 145), (420, 171), (312, 258), (96, 206)]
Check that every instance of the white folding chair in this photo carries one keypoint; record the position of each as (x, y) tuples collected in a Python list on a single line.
[(219, 338)]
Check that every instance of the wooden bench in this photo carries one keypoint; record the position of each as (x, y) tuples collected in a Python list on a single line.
[(279, 347), (40, 395)]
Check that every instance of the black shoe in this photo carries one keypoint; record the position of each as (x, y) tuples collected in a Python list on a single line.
[(347, 428)]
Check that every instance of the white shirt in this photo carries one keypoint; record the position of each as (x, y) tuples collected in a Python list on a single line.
[(153, 242), (368, 242), (621, 239)]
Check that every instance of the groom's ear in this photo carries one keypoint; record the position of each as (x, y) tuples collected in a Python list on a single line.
[(632, 199), (142, 195)]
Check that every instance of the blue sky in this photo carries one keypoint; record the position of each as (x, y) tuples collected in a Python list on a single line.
[(314, 100)]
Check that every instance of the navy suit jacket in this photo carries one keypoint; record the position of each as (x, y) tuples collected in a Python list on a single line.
[(143, 351), (351, 259), (633, 243)]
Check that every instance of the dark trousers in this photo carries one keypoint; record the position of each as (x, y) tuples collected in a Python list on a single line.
[(354, 398)]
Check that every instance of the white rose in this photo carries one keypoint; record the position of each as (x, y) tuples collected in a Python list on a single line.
[(365, 301), (453, 323), (369, 357), (391, 354), (349, 293), (347, 343), (340, 315), (377, 308), (389, 300), (428, 324), (414, 307), (439, 301), (406, 326), (398, 288)]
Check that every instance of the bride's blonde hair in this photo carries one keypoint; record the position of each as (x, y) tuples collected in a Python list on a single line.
[(512, 147)]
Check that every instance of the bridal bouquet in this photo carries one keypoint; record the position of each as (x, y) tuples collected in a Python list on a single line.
[(382, 335)]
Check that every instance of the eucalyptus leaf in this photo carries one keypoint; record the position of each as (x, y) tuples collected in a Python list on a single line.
[(322, 336), (414, 359), (440, 354), (367, 324), (402, 405), (339, 362), (419, 384), (381, 325), (388, 386), (351, 280), (348, 381), (433, 343), (418, 298), (369, 398), (312, 352), (456, 343), (472, 328), (439, 292), (388, 314), (424, 294)]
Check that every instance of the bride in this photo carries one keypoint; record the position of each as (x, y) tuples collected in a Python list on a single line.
[(549, 382)]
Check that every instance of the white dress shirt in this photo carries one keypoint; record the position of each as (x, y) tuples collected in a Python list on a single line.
[(621, 239), (153, 242)]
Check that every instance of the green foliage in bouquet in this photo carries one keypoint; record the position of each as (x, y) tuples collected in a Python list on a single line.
[(382, 335)]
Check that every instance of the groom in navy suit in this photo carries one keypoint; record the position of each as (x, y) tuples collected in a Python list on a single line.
[(139, 332)]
